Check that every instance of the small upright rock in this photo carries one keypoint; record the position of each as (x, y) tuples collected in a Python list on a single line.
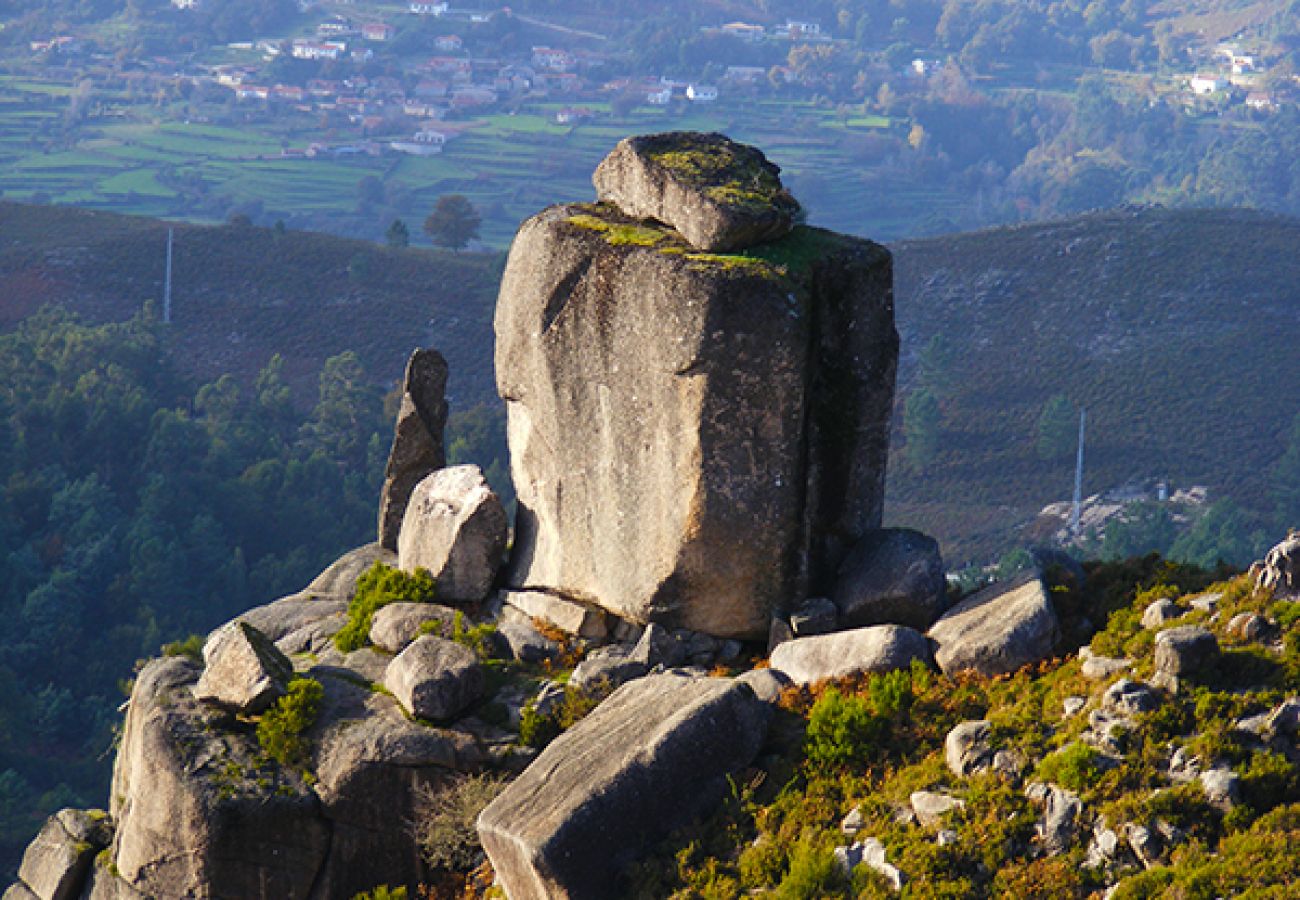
[(1159, 613), (1062, 811), (1188, 648), (718, 194), (417, 439), (243, 670), (435, 679), (455, 527), (931, 806), (967, 748), (396, 625), (891, 576), (1281, 570), (998, 629), (816, 615)]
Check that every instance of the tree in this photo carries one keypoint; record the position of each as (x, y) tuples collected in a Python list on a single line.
[(398, 235), (453, 223), (921, 428), (1055, 430), (1286, 482)]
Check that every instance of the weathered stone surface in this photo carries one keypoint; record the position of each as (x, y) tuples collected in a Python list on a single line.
[(56, 865), (1062, 813), (289, 614), (930, 807), (998, 629), (816, 615), (526, 643), (314, 637), (417, 439), (719, 195), (677, 421), (611, 666), (879, 648), (456, 528), (191, 819), (891, 576), (870, 853), (1222, 787), (394, 626), (1281, 570), (575, 618), (1099, 668), (435, 678), (243, 670), (1159, 613), (1129, 698), (1188, 648), (967, 748), (658, 646), (767, 684), (1249, 626), (654, 753)]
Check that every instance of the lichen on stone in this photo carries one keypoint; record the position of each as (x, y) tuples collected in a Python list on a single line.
[(726, 172), (619, 234)]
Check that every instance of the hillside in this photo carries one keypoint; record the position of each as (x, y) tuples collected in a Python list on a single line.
[(1171, 328)]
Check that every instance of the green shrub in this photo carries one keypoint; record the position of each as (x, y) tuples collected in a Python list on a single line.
[(761, 864), (841, 730), (537, 730), (445, 815), (377, 587), (813, 873), (192, 647), (383, 892), (280, 730), (1075, 767), (476, 637)]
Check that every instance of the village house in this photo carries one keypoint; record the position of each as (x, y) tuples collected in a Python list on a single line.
[(305, 49), (448, 43), (335, 25), (701, 93), (551, 59), (800, 31), (422, 143), (558, 82), (419, 109), (744, 31), (572, 115), (1262, 101), (427, 9), (290, 93), (378, 31), (1207, 84), (457, 67), (251, 92), (660, 96)]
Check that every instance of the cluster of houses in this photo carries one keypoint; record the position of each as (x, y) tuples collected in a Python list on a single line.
[(791, 30), (1231, 71)]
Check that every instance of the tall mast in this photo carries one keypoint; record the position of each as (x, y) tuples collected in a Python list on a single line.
[(1078, 480), (167, 282)]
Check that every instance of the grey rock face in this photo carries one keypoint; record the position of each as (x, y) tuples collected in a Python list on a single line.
[(394, 626), (879, 648), (816, 615), (434, 678), (456, 528), (891, 576), (1062, 812), (671, 414), (1249, 626), (653, 754), (967, 748), (1281, 570), (930, 807), (998, 629), (243, 670), (417, 439), (566, 615), (1188, 648), (1160, 612), (1222, 787), (767, 684), (57, 863), (1129, 698), (720, 195), (1099, 668), (526, 643)]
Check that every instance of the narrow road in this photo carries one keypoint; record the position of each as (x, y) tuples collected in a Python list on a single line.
[(576, 32)]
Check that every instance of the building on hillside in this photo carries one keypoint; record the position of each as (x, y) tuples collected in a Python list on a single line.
[(701, 93), (472, 97), (1264, 101), (378, 31), (572, 115), (800, 31), (420, 8), (252, 92), (1207, 84), (448, 43), (659, 96), (335, 25), (744, 31), (187, 4), (305, 49), (362, 55), (551, 59), (422, 143)]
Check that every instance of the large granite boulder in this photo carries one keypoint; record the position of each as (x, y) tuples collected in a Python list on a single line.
[(1185, 649), (417, 439), (878, 648), (579, 619), (651, 756), (695, 439), (243, 669), (455, 526), (891, 576), (396, 625), (56, 865), (719, 195), (1280, 572), (998, 629), (434, 678)]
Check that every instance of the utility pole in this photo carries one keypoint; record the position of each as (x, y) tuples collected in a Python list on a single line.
[(1078, 481), (167, 282)]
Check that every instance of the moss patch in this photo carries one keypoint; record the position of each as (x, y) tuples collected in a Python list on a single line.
[(728, 173), (620, 234)]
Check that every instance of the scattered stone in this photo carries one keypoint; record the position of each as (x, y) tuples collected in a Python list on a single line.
[(1160, 613), (720, 195), (1222, 787), (851, 824), (767, 684), (417, 439), (871, 853), (314, 638), (626, 632), (892, 576), (1129, 698), (945, 837), (1104, 847), (1009, 764), (1256, 725), (998, 629), (1073, 705), (879, 648), (611, 665), (456, 528), (729, 651), (675, 418), (1285, 718), (659, 647), (1188, 648), (1205, 602), (1249, 626), (1183, 766), (526, 643), (243, 670), (930, 807), (816, 615), (57, 862), (655, 753), (394, 626), (1107, 731), (1281, 570), (1099, 668), (967, 748), (434, 678), (567, 615), (699, 649), (1062, 812), (1145, 844)]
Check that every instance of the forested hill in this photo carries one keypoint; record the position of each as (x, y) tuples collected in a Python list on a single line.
[(241, 294), (1177, 331)]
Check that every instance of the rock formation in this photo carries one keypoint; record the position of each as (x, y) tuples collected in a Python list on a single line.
[(417, 440), (456, 528), (696, 438)]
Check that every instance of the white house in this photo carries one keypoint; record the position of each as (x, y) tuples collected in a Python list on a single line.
[(304, 49), (420, 8), (1207, 84), (701, 93), (659, 96)]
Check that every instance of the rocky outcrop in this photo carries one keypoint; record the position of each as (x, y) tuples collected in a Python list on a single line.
[(998, 629), (696, 439), (880, 648), (242, 670), (892, 575), (1280, 571), (434, 678), (641, 764), (456, 528), (57, 864), (397, 624), (575, 618), (1185, 649), (417, 439), (719, 195)]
